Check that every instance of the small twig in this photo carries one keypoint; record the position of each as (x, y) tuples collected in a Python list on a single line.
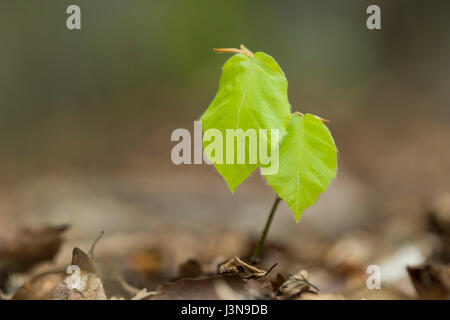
[(91, 250), (271, 268)]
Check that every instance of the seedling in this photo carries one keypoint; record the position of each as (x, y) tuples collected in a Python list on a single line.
[(252, 97)]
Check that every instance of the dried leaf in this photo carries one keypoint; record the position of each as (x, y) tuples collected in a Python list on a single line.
[(146, 261), (190, 269), (431, 281), (42, 287), (350, 255), (258, 289), (238, 267), (143, 295), (88, 286), (254, 289), (22, 248), (315, 296), (278, 282), (295, 285), (440, 214), (214, 288), (198, 289)]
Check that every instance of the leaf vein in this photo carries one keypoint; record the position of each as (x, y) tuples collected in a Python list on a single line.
[(245, 92)]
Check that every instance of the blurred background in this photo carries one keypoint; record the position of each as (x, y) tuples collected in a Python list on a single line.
[(86, 118)]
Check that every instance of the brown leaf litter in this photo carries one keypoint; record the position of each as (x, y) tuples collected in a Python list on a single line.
[(24, 247)]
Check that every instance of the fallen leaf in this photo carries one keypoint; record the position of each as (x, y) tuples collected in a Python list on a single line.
[(198, 289), (23, 248), (440, 214), (350, 255), (42, 287), (215, 287), (258, 289), (146, 261), (431, 281), (295, 285), (278, 282), (238, 267), (190, 269), (254, 289), (143, 295), (85, 285), (315, 296)]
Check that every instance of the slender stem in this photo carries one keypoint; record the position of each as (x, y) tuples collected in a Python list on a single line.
[(257, 252)]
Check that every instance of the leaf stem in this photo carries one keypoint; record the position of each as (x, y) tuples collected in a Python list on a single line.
[(257, 252)]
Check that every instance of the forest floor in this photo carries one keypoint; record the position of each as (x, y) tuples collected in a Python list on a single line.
[(176, 231)]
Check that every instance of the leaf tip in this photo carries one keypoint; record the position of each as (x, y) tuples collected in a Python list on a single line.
[(232, 188)]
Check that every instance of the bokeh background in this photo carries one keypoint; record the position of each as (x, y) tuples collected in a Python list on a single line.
[(86, 118)]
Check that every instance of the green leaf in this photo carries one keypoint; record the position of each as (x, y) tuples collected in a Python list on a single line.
[(308, 163), (252, 94)]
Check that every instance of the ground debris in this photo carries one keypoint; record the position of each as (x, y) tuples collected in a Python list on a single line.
[(217, 287), (296, 285), (431, 281), (238, 267), (278, 282), (143, 295), (197, 289), (315, 296), (42, 287), (190, 269), (440, 214), (24, 247), (85, 284)]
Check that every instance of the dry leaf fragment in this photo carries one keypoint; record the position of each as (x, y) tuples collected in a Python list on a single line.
[(258, 289), (22, 248), (85, 285), (431, 281), (440, 214), (215, 287), (315, 296), (278, 282), (350, 255), (147, 261), (190, 269), (238, 267), (254, 289), (198, 289), (42, 287), (295, 285), (143, 295)]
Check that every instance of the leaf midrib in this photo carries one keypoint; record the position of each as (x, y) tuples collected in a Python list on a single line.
[(244, 94)]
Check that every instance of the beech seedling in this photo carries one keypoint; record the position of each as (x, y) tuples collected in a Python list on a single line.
[(252, 97)]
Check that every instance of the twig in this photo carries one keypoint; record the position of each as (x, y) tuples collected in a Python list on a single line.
[(91, 250)]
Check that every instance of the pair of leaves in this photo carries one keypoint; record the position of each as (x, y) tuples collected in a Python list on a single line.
[(252, 94)]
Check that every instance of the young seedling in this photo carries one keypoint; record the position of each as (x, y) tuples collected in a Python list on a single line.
[(252, 97)]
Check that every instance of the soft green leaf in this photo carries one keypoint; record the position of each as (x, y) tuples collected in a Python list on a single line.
[(252, 94), (308, 163)]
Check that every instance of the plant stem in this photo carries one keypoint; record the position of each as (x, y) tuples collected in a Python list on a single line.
[(257, 252)]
